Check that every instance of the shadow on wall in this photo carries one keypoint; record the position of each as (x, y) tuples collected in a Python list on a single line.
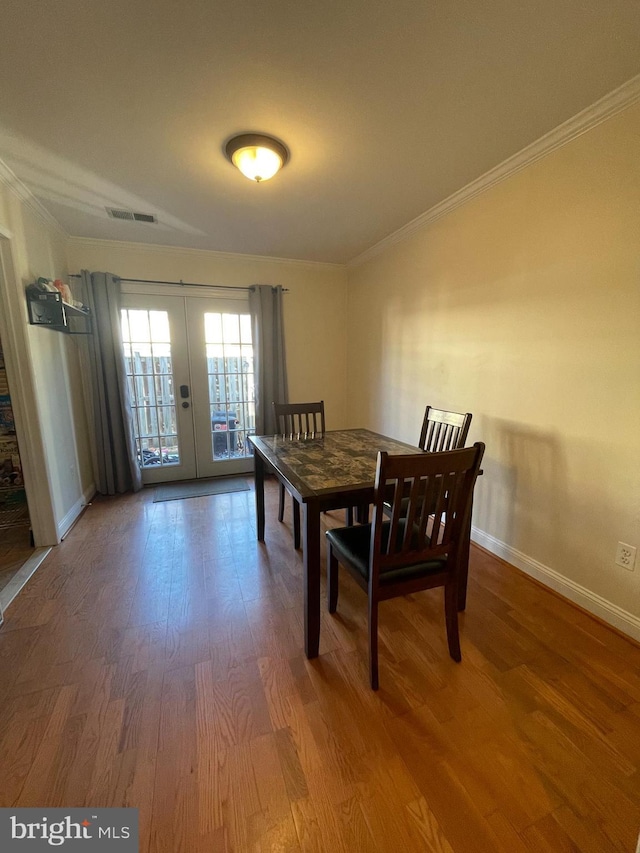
[(521, 499)]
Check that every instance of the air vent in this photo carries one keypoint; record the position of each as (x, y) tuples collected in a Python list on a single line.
[(114, 213), (117, 213)]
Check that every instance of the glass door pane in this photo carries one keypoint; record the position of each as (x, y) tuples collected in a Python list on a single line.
[(222, 364), (155, 347), (230, 382), (147, 351)]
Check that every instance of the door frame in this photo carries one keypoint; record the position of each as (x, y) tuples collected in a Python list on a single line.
[(19, 367)]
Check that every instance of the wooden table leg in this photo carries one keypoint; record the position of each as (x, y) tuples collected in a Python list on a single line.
[(259, 486), (311, 564), (296, 524)]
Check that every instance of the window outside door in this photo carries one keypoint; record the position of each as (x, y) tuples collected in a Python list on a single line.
[(189, 363)]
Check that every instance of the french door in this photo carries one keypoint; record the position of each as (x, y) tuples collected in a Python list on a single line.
[(189, 362)]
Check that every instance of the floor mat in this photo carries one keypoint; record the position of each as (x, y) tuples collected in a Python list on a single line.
[(198, 489)]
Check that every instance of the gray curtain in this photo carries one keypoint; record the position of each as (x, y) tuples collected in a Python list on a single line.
[(116, 465), (267, 329)]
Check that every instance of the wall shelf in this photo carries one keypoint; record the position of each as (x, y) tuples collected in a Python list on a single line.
[(48, 309)]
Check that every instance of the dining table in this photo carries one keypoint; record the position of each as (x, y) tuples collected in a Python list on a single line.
[(328, 471)]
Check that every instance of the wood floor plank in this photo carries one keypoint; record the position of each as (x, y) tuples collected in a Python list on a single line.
[(273, 823), (548, 836), (318, 828), (293, 774), (42, 785), (426, 824), (22, 740)]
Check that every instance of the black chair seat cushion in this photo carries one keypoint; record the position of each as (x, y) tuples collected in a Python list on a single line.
[(354, 544)]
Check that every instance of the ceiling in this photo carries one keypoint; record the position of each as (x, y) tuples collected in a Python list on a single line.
[(387, 107)]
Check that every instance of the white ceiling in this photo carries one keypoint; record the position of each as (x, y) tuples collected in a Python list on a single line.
[(387, 106)]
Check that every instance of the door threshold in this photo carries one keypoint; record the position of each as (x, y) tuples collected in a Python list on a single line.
[(21, 577)]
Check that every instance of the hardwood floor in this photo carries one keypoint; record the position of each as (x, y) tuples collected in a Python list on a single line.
[(155, 660)]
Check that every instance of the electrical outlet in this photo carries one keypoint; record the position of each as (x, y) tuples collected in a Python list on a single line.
[(626, 556)]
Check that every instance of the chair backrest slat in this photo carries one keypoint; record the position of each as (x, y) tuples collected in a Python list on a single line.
[(300, 419)]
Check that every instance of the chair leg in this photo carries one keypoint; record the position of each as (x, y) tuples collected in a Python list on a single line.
[(463, 569), (373, 643), (281, 504), (362, 513), (463, 572), (451, 618), (349, 516), (332, 579), (296, 523)]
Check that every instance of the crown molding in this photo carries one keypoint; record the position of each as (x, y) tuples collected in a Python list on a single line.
[(13, 183), (159, 248), (602, 110)]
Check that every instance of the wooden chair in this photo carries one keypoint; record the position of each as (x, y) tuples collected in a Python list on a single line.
[(300, 420), (415, 549), (442, 430), (297, 420)]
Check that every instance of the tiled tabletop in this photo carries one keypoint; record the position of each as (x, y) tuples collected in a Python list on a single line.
[(338, 460)]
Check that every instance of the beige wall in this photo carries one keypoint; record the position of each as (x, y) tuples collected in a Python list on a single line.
[(49, 361), (522, 307), (315, 307)]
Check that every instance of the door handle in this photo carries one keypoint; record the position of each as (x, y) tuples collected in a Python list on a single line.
[(185, 405), (184, 391)]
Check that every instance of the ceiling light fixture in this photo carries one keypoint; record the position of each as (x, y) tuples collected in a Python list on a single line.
[(257, 156)]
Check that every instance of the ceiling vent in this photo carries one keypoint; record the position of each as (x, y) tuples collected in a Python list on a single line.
[(118, 213)]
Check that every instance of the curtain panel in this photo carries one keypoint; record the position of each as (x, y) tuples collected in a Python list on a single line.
[(110, 414), (267, 329)]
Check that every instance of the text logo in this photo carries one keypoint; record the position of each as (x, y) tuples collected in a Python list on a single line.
[(80, 830)]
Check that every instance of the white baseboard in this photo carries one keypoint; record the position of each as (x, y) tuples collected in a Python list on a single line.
[(66, 523), (580, 595)]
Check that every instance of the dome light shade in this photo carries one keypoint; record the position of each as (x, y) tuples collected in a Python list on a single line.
[(257, 156)]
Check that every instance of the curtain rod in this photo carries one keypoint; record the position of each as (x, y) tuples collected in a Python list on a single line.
[(178, 283)]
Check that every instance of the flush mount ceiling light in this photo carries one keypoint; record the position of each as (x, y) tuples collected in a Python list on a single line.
[(257, 156)]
